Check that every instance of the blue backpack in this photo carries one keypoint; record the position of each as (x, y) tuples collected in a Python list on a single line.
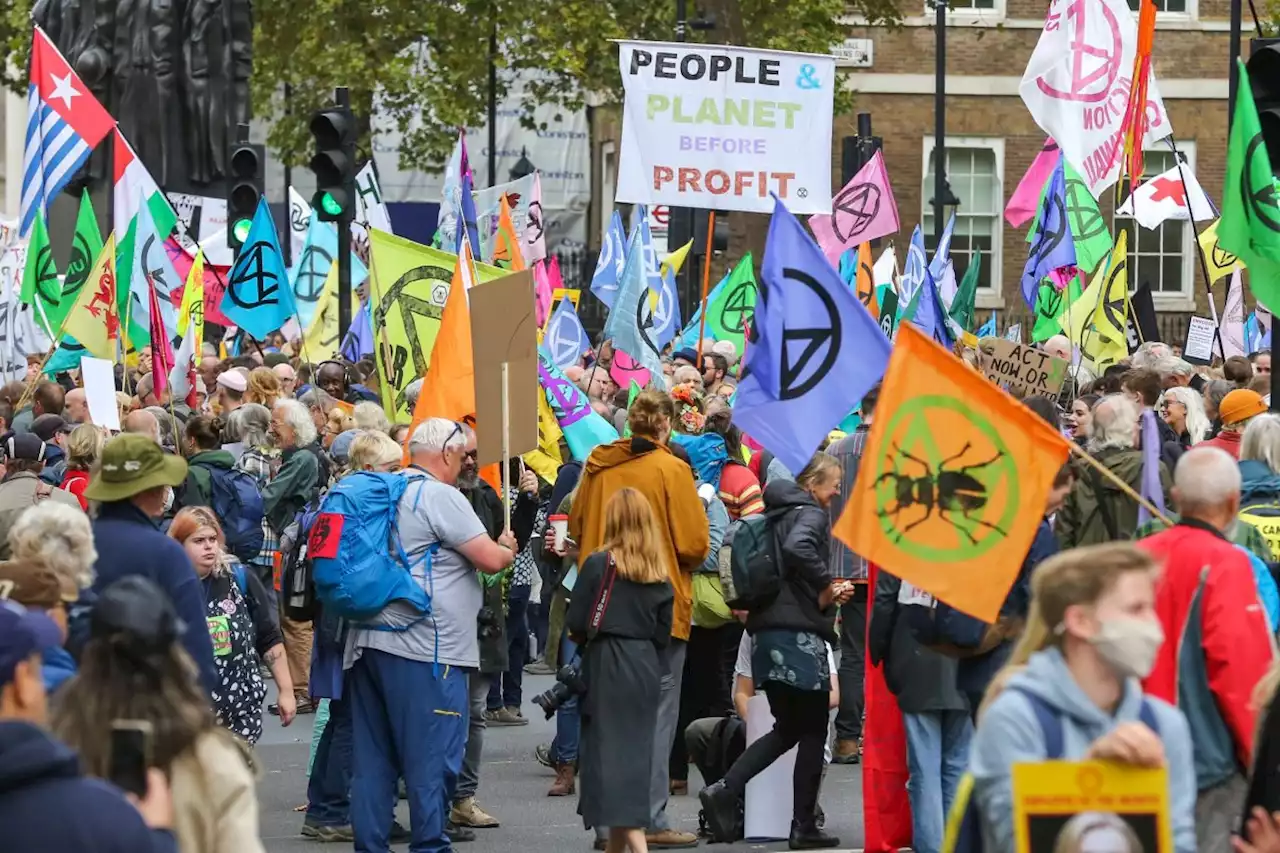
[(964, 825), (357, 562), (236, 501)]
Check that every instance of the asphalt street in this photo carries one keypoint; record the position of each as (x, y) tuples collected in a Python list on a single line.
[(513, 788)]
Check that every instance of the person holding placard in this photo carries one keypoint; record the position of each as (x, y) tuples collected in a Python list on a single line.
[(1072, 688)]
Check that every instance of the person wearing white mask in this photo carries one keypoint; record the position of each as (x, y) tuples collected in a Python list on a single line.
[(1220, 643), (1072, 688)]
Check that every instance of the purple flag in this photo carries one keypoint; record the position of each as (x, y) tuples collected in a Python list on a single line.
[(359, 340), (864, 210), (1150, 466), (1053, 247), (817, 350)]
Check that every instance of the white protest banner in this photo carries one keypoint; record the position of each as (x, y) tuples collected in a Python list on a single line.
[(1077, 84), (718, 127), (1020, 366), (98, 377)]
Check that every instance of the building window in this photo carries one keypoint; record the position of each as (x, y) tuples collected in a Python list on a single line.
[(975, 172), (1167, 7), (1162, 257), (961, 6)]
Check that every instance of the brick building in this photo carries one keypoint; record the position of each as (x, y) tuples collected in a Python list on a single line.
[(991, 139)]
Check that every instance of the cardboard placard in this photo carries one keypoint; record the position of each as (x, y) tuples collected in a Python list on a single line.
[(504, 329), (1199, 346), (98, 376), (1022, 366), (1090, 805)]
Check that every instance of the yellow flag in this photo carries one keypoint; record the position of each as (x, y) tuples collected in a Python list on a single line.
[(676, 259), (1098, 319), (320, 340), (546, 460), (1221, 263), (193, 300), (93, 320), (408, 285)]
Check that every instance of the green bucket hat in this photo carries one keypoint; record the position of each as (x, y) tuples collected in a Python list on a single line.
[(131, 464)]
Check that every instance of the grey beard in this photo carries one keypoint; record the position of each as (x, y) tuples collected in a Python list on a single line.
[(468, 481)]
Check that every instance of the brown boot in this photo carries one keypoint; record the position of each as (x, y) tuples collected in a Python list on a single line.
[(564, 784)]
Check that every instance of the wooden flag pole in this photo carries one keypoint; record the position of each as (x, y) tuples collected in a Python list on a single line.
[(31, 383), (1079, 452), (506, 451), (706, 281)]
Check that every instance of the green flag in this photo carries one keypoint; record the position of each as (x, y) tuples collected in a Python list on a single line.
[(1050, 303), (962, 305), (729, 313), (1250, 223), (631, 398), (85, 246), (1088, 226), (139, 328), (40, 286)]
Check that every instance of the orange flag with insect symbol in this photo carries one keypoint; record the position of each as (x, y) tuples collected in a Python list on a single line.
[(953, 480), (506, 245), (866, 283)]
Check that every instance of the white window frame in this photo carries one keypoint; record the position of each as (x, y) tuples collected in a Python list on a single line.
[(608, 186), (1191, 14), (992, 297), (968, 15), (1185, 300)]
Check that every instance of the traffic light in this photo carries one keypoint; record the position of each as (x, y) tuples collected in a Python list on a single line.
[(334, 163), (1264, 78), (244, 189)]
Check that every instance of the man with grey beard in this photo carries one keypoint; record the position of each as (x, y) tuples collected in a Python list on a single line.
[(491, 624)]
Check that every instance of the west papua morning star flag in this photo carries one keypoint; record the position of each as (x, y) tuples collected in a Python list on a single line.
[(1166, 197), (1077, 85), (817, 351), (864, 210), (64, 124)]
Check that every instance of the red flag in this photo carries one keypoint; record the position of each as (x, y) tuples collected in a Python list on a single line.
[(161, 349)]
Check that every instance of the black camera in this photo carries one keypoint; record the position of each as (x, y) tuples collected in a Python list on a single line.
[(569, 683), (489, 623)]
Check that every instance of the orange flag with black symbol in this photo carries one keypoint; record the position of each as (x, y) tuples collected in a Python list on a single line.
[(953, 480), (866, 283), (506, 245)]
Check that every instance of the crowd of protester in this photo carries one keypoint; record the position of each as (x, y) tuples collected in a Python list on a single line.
[(149, 576)]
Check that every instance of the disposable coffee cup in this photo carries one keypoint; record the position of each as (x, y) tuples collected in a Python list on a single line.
[(560, 526)]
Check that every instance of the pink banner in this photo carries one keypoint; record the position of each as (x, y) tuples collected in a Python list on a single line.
[(541, 291), (864, 210), (1026, 198), (215, 282), (625, 368)]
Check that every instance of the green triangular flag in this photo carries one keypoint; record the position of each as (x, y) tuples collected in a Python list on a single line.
[(139, 330), (962, 305), (729, 312), (1250, 223), (1050, 305), (1088, 227), (40, 286), (85, 247), (631, 398)]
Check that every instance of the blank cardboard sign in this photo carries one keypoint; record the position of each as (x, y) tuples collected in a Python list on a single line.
[(504, 328)]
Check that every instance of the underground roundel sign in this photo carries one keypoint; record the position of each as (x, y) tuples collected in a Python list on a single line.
[(946, 486)]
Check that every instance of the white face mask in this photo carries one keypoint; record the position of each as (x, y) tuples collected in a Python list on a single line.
[(1129, 645)]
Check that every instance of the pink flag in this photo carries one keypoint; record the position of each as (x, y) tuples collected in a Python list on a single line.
[(541, 291), (1025, 200), (864, 210), (161, 351), (625, 369), (215, 282)]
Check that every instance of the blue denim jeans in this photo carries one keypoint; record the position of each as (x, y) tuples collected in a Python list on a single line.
[(329, 790), (564, 749), (937, 754), (505, 689)]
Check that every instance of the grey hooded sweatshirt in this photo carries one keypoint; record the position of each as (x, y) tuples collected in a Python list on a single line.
[(1009, 733)]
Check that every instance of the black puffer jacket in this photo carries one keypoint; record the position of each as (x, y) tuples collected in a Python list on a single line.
[(804, 533)]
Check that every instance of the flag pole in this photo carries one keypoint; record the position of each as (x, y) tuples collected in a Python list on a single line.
[(1204, 263), (31, 383), (1080, 453), (706, 281), (506, 450)]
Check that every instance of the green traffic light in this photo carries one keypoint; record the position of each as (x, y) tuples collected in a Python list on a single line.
[(330, 205), (241, 230)]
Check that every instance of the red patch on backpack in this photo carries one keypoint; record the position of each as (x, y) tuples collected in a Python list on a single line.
[(326, 534)]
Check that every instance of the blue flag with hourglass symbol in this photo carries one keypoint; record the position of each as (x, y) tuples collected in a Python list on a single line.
[(258, 298), (1053, 246), (613, 253), (629, 326), (817, 350)]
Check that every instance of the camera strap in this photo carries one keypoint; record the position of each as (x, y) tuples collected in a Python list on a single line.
[(602, 598)]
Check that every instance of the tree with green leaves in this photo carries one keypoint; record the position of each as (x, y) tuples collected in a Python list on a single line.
[(427, 64)]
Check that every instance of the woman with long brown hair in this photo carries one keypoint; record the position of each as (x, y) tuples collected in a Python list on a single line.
[(621, 613)]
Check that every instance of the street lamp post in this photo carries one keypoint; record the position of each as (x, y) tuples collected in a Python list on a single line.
[(941, 191)]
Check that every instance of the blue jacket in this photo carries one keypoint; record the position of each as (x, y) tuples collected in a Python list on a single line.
[(58, 667), (129, 543), (46, 803), (1010, 733)]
